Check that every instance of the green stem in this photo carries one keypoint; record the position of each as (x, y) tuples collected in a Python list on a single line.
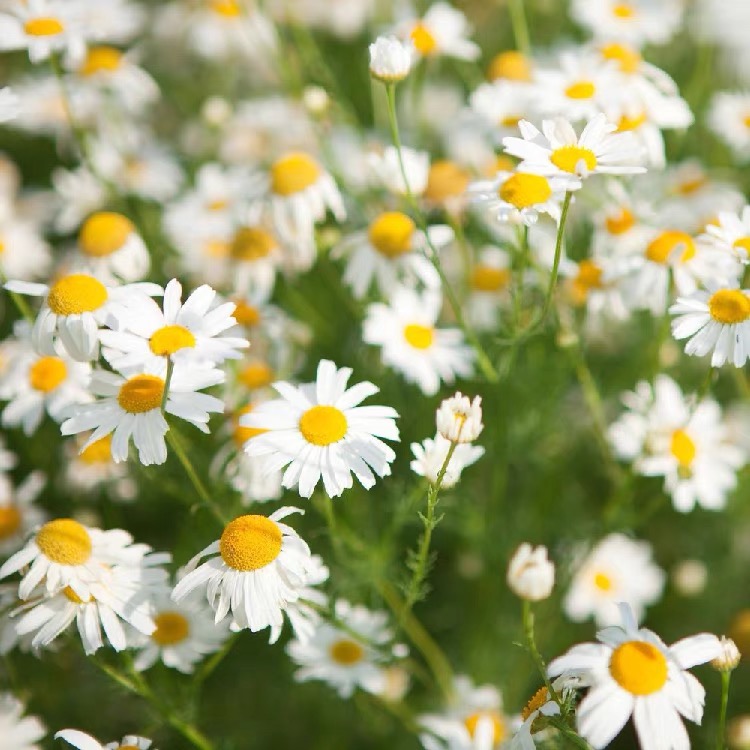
[(167, 382), (523, 256), (721, 732), (558, 256), (21, 304), (528, 631), (520, 26)]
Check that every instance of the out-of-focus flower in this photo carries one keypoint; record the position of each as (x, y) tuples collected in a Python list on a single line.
[(390, 59), (459, 419), (531, 575)]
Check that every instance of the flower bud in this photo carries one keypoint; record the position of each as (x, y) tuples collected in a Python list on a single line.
[(390, 59), (728, 658), (531, 575), (316, 100), (460, 420)]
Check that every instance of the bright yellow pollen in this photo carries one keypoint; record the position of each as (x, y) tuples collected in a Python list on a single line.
[(64, 541), (294, 173), (626, 122), (227, 8), (662, 249), (525, 190), (603, 582), (499, 731), (43, 27), (537, 701), (568, 158), (242, 434), (391, 234), (2, 246), (323, 425), (445, 180), (623, 10), (589, 277), (420, 337), (250, 543), (245, 314), (743, 243), (10, 521), (621, 223), (47, 373), (580, 90), (346, 652), (76, 294), (71, 596), (101, 60), (170, 339), (251, 243), (104, 233), (638, 667), (682, 448), (218, 205), (510, 121), (489, 279), (256, 375), (512, 65), (423, 39), (171, 628), (141, 393), (99, 452), (628, 59), (729, 306)]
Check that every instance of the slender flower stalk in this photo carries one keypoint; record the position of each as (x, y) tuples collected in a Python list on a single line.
[(520, 26), (722, 729), (528, 631)]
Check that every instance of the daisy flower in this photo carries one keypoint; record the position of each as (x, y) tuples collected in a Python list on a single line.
[(410, 343), (729, 117), (84, 741), (729, 234), (260, 569), (19, 732), (489, 287), (392, 250), (90, 469), (18, 513), (319, 431), (636, 22), (25, 255), (618, 569), (510, 65), (390, 59), (340, 659), (442, 31), (447, 181), (75, 307), (559, 151), (502, 104), (597, 283), (131, 407), (632, 672), (255, 254), (430, 455)]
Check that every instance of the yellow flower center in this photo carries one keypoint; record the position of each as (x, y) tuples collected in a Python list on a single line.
[(2, 246), (420, 337), (217, 249), (603, 582), (391, 234), (71, 596), (489, 279), (446, 179), (323, 425), (102, 59), (682, 448), (537, 701), (569, 158), (76, 294), (510, 121), (638, 667), (628, 59), (242, 434), (691, 185), (423, 39), (64, 541), (294, 173), (250, 543), (346, 652), (10, 521), (524, 190), (43, 27), (245, 314), (501, 163), (99, 452), (47, 373), (251, 243), (620, 223), (580, 90), (512, 65), (623, 10), (226, 8), (170, 339), (729, 306), (633, 122), (104, 233), (662, 249), (589, 277), (141, 393), (171, 628), (743, 243), (256, 375), (499, 731)]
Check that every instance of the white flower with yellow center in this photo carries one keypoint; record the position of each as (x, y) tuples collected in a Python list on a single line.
[(75, 307), (715, 322), (386, 167), (410, 342), (318, 431), (690, 446), (489, 287), (23, 252), (84, 741), (442, 32), (109, 246), (729, 117), (185, 333), (502, 104), (729, 234), (430, 455), (632, 672), (391, 251), (91, 469), (256, 570), (255, 254), (79, 193), (559, 151), (131, 407), (597, 283), (618, 569), (637, 22), (19, 732), (18, 513), (341, 659)]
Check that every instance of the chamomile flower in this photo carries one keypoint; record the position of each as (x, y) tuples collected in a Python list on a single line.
[(632, 672), (489, 287), (430, 455), (75, 307), (303, 614), (84, 741), (729, 234), (442, 31), (637, 22), (19, 732), (729, 117), (391, 251), (261, 567), (90, 469), (502, 104), (319, 431), (410, 342), (618, 569), (18, 513), (390, 59), (337, 657), (24, 254), (255, 254), (559, 151), (131, 407)]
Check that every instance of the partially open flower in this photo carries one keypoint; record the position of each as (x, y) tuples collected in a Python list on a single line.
[(390, 59), (531, 575), (459, 419), (729, 657)]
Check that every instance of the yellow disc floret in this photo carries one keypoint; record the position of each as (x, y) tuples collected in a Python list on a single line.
[(618, 224), (242, 434), (391, 234), (511, 65), (499, 731), (246, 314), (638, 667), (43, 27), (445, 180), (171, 628), (729, 306), (226, 8), (664, 247), (419, 336), (323, 425), (170, 339), (104, 233), (423, 39), (569, 158), (256, 375), (99, 452), (251, 243), (76, 294), (141, 393), (102, 59), (346, 652), (10, 521), (626, 57), (682, 448), (525, 190), (489, 279), (580, 90), (47, 373), (294, 173), (250, 543), (623, 10), (64, 541), (602, 581), (537, 701)]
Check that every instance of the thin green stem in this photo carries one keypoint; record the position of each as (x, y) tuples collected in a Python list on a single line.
[(523, 256), (520, 26), (726, 677), (167, 382), (558, 256), (528, 631), (21, 305)]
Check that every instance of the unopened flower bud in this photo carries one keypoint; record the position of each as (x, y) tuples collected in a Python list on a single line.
[(390, 59), (316, 100), (460, 420), (729, 657), (531, 575)]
